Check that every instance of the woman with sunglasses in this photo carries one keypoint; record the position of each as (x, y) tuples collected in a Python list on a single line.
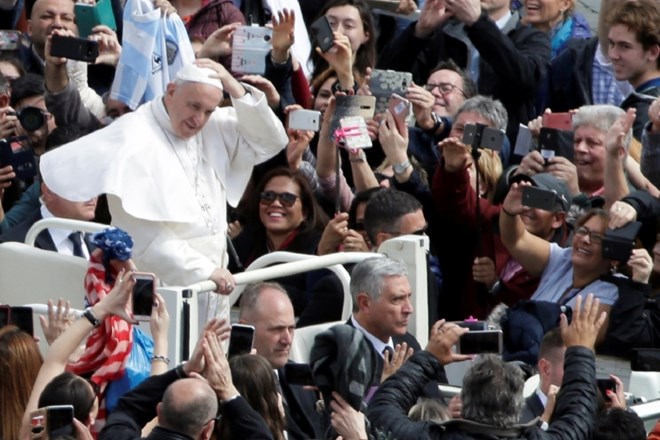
[(564, 272), (282, 215)]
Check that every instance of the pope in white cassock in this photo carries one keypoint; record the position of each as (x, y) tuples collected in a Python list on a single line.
[(168, 170)]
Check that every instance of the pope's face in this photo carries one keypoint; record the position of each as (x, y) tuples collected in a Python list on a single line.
[(190, 106)]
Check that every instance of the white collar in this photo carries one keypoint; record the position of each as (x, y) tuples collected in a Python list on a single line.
[(503, 21), (542, 397), (378, 345)]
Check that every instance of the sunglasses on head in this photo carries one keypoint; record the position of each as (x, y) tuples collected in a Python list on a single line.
[(286, 198)]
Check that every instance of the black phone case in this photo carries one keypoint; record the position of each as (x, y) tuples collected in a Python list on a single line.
[(539, 198), (323, 33), (74, 48)]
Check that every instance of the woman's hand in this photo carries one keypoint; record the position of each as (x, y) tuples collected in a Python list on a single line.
[(618, 397), (218, 44), (340, 59), (109, 47), (263, 84), (393, 141), (333, 234), (641, 264), (58, 320), (513, 200), (354, 242), (348, 422), (621, 214), (615, 138), (160, 319), (116, 303), (283, 34), (456, 154)]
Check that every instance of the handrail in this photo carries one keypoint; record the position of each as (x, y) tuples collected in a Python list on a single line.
[(61, 223), (262, 269), (42, 309)]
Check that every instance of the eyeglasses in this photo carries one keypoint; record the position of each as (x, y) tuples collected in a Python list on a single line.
[(97, 393), (594, 237), (445, 88), (286, 198)]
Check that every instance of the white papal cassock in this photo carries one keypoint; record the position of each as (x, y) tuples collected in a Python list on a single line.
[(169, 193)]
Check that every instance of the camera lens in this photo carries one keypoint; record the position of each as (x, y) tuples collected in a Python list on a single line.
[(31, 118)]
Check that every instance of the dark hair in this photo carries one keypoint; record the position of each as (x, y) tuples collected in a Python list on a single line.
[(365, 56), (492, 392), (385, 210), (593, 212), (26, 86), (642, 18), (69, 389), (63, 134), (551, 342), (469, 86), (254, 379), (251, 294), (618, 424), (14, 61), (4, 85), (314, 217), (360, 197)]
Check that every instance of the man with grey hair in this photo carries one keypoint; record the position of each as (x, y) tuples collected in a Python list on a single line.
[(381, 308), (585, 176), (492, 392), (169, 169)]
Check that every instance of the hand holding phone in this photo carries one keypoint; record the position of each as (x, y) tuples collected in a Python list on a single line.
[(74, 48), (241, 340), (143, 295), (400, 109), (305, 120)]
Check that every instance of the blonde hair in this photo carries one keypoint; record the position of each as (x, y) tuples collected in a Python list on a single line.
[(489, 167)]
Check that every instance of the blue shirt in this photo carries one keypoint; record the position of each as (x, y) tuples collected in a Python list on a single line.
[(557, 279)]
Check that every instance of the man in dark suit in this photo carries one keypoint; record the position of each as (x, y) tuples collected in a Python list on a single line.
[(57, 240), (268, 308), (381, 307), (551, 372)]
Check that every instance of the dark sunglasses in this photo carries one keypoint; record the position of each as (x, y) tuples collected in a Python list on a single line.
[(97, 394), (286, 198)]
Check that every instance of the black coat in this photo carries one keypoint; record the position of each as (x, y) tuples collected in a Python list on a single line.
[(513, 62), (532, 408), (302, 420), (575, 409)]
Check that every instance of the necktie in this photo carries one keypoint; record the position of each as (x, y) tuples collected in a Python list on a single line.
[(389, 350), (77, 244)]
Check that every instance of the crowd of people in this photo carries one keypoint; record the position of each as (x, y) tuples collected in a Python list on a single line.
[(195, 166)]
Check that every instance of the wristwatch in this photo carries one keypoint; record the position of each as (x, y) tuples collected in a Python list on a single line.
[(400, 168)]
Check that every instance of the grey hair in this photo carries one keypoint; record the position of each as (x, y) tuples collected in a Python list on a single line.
[(601, 117), (188, 415), (251, 293), (369, 275), (493, 392), (491, 109)]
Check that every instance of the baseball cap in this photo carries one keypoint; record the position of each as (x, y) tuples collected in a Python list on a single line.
[(547, 182)]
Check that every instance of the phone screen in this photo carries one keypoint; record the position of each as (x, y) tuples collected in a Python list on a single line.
[(21, 317), (241, 340), (143, 294), (476, 342), (60, 420), (604, 385)]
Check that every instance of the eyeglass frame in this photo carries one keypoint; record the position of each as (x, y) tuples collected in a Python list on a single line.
[(594, 237), (429, 87), (267, 198)]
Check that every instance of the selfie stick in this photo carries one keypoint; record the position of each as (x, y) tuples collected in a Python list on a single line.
[(476, 154)]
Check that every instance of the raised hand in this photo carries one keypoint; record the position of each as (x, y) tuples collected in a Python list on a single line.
[(444, 335), (432, 15), (583, 329), (284, 23), (59, 319), (218, 44), (109, 47), (400, 355)]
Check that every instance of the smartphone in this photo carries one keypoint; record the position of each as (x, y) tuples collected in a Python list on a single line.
[(74, 48), (323, 33), (298, 374), (478, 342), (618, 243), (473, 325), (305, 120), (21, 317), (143, 295), (604, 385), (538, 198), (52, 422), (89, 16), (241, 340), (354, 133), (384, 83), (486, 137), (548, 143), (356, 105), (400, 109), (558, 121), (17, 153), (523, 141), (250, 45)]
